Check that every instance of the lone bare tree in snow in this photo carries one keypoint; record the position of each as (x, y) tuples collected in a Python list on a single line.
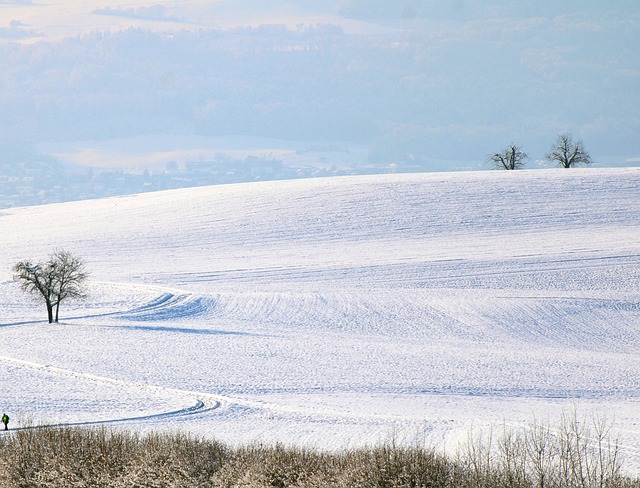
[(566, 153), (61, 277), (510, 158)]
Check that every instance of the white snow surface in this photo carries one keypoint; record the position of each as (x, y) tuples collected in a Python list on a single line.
[(338, 312)]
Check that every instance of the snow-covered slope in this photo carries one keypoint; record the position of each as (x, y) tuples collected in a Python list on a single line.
[(337, 312)]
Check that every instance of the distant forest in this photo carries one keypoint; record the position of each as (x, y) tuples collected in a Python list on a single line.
[(313, 83), (411, 88)]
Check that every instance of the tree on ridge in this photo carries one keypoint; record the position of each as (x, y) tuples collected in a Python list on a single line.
[(567, 154), (510, 158)]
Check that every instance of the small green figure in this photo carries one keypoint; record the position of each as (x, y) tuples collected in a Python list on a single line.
[(5, 421)]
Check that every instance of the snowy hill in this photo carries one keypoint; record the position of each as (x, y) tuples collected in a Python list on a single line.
[(336, 312)]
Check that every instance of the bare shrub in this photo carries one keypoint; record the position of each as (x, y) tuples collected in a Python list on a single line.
[(59, 456), (392, 466), (577, 453), (65, 457), (276, 467)]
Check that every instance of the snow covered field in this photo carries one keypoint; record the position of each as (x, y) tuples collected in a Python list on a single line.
[(336, 312)]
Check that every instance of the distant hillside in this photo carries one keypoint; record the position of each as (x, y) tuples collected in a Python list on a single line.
[(416, 82)]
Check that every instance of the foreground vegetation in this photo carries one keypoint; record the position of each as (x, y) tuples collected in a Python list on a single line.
[(573, 454)]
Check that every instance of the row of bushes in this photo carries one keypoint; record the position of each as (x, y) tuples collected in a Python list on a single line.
[(573, 454)]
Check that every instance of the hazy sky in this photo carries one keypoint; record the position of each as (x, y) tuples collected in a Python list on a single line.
[(433, 81)]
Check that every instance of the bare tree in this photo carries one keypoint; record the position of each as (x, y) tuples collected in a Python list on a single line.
[(510, 158), (61, 277), (37, 279), (70, 277), (566, 153)]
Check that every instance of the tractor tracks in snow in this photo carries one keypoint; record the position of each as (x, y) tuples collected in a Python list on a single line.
[(154, 303)]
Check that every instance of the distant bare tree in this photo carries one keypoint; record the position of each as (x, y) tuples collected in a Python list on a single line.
[(510, 158), (566, 153), (61, 277)]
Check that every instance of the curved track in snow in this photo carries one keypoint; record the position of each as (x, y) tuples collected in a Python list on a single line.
[(201, 402)]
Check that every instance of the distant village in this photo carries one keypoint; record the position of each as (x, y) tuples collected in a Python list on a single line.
[(47, 181)]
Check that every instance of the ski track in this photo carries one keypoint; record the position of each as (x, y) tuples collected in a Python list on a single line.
[(350, 308), (202, 403)]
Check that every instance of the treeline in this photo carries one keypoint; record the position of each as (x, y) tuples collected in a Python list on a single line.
[(313, 83)]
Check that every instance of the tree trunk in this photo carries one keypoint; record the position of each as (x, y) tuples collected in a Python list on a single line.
[(50, 311), (57, 310)]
